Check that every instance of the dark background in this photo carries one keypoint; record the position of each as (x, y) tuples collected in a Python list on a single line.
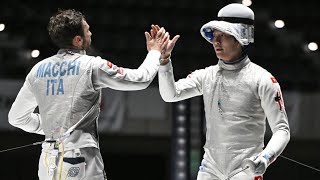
[(118, 34)]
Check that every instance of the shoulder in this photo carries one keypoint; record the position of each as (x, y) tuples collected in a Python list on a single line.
[(257, 68), (211, 69), (259, 72), (205, 71), (99, 62), (40, 64), (265, 78), (203, 74)]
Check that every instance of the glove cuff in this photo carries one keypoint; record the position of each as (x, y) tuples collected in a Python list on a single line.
[(269, 156)]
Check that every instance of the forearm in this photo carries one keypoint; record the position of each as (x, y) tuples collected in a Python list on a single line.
[(29, 123), (258, 164), (142, 77), (277, 143), (273, 105), (21, 113), (172, 91), (167, 86), (109, 75)]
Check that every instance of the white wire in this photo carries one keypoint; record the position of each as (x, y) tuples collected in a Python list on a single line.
[(300, 163)]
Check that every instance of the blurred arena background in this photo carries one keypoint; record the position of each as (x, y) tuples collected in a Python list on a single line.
[(142, 137)]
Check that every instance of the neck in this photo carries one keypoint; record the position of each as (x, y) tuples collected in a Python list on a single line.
[(244, 54), (71, 51), (235, 61), (240, 63)]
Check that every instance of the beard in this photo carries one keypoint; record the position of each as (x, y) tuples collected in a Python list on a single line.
[(86, 44)]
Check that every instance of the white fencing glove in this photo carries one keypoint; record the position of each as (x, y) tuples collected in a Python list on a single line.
[(257, 165)]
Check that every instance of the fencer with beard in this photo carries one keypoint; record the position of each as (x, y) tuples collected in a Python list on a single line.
[(67, 89), (238, 97)]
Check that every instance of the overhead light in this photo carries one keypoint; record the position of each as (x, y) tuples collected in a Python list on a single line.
[(312, 46), (35, 53), (279, 24), (2, 27)]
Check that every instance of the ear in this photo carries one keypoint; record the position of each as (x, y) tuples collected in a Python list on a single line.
[(77, 41)]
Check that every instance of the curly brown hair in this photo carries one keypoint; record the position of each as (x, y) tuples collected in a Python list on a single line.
[(64, 26)]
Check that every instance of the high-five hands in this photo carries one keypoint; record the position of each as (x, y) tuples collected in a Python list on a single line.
[(158, 41), (166, 52)]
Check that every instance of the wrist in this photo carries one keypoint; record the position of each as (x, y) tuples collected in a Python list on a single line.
[(165, 56), (269, 156), (164, 60)]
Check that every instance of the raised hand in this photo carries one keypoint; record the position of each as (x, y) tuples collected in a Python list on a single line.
[(158, 40), (165, 54)]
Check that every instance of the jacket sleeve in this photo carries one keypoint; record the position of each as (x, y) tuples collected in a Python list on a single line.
[(273, 105), (21, 113), (105, 74), (185, 88)]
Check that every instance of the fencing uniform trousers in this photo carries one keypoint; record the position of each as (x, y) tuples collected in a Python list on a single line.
[(77, 164), (209, 169)]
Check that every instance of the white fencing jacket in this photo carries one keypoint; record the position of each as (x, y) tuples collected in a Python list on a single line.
[(237, 99), (67, 88)]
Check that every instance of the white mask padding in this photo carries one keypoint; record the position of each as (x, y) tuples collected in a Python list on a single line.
[(242, 32)]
